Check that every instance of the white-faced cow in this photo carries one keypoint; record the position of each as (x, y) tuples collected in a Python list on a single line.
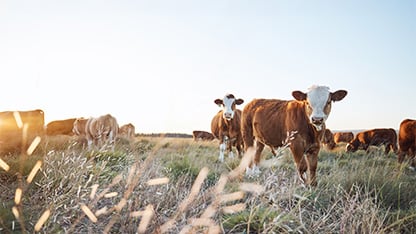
[(225, 125), (270, 121)]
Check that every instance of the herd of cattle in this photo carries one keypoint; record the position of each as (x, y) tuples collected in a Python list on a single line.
[(19, 128), (299, 124)]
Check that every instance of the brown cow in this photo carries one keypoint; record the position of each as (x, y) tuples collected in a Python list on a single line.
[(407, 141), (127, 131), (328, 139), (60, 127), (225, 125), (270, 121), (375, 137), (102, 130), (202, 135), (343, 137), (15, 124)]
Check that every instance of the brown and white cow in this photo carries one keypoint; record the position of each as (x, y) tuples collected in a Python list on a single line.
[(202, 135), (19, 128), (101, 130), (374, 137), (225, 125), (407, 141), (343, 137), (60, 127), (127, 131), (328, 139), (270, 121)]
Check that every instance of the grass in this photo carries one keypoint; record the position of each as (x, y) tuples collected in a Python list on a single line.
[(174, 185)]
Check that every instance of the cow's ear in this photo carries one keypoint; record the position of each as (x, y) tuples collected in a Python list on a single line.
[(218, 102), (299, 95), (338, 95), (239, 101)]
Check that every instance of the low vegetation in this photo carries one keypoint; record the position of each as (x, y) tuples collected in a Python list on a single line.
[(177, 185)]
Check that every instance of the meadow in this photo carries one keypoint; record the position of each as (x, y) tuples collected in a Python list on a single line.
[(177, 185)]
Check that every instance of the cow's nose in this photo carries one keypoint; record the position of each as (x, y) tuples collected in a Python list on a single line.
[(317, 120), (227, 115)]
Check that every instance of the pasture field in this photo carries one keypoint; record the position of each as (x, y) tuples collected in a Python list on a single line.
[(176, 185)]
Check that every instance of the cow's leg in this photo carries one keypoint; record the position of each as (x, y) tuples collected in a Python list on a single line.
[(229, 147), (239, 147), (253, 169), (223, 147), (300, 161), (312, 164)]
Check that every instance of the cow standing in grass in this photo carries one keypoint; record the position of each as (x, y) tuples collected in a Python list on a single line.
[(407, 141), (374, 137), (300, 122), (225, 126)]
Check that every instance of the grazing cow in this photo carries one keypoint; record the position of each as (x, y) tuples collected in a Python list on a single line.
[(343, 137), (328, 139), (225, 125), (60, 127), (407, 141), (375, 137), (19, 128), (202, 135), (299, 122), (102, 130), (127, 131)]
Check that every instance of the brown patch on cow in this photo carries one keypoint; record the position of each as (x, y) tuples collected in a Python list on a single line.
[(328, 139), (374, 137), (127, 131)]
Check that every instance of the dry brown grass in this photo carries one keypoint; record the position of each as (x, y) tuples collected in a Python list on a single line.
[(167, 185)]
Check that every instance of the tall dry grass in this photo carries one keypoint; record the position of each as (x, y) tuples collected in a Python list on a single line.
[(167, 185)]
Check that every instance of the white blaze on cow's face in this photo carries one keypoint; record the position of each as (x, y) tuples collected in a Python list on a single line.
[(318, 103), (228, 105)]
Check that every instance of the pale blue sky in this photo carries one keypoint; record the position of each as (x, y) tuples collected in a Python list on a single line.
[(161, 64)]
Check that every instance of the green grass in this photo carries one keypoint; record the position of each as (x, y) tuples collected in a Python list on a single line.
[(356, 192)]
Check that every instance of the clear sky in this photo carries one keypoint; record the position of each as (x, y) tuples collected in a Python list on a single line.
[(160, 64)]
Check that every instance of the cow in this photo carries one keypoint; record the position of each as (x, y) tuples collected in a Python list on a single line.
[(60, 127), (202, 135), (225, 126), (374, 137), (298, 123), (19, 128), (101, 130), (407, 141), (127, 131), (343, 137), (328, 139)]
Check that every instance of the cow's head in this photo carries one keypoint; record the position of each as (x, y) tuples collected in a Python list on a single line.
[(228, 105), (318, 103), (353, 145)]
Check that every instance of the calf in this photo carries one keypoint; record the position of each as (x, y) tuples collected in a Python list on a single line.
[(225, 125), (270, 121), (202, 135), (375, 137), (407, 141), (343, 137)]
